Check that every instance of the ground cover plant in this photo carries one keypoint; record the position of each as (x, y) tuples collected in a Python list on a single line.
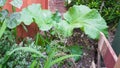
[(51, 47)]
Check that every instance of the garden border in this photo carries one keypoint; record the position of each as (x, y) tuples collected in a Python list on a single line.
[(106, 51)]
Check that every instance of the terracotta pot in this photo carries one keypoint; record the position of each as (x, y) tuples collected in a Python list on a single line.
[(32, 28)]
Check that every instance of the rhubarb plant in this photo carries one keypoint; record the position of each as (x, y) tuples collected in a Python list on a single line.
[(43, 18), (9, 19), (17, 3), (88, 20)]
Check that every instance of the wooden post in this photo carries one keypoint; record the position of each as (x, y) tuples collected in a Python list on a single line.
[(117, 65), (108, 54)]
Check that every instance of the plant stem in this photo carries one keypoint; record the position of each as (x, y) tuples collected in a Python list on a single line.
[(37, 37), (24, 27), (0, 8), (2, 29), (13, 9)]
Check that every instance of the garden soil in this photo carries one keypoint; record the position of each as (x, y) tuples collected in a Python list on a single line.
[(89, 45)]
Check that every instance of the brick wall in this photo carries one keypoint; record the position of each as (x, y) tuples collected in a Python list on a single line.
[(57, 5)]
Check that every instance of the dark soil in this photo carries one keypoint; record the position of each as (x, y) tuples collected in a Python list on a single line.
[(87, 58), (89, 45), (89, 48), (79, 38)]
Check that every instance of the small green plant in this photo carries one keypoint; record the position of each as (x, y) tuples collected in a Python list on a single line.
[(3, 14), (51, 61), (75, 49), (3, 27), (48, 61)]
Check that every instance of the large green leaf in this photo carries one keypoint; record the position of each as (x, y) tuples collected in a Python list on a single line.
[(3, 15), (2, 2), (89, 20), (12, 20), (43, 18), (26, 17), (17, 3), (63, 28)]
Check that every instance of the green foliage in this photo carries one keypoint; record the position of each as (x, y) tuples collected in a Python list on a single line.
[(26, 57), (21, 58), (2, 2), (28, 54), (11, 21), (63, 28), (17, 3), (25, 49), (51, 61), (35, 13), (34, 64), (75, 49), (88, 20), (6, 41), (3, 15), (109, 9), (2, 29), (22, 54), (57, 16), (40, 40), (58, 60)]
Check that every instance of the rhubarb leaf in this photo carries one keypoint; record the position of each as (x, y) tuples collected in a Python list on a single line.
[(43, 18), (63, 29), (2, 3), (17, 3), (88, 20), (12, 20), (3, 15)]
